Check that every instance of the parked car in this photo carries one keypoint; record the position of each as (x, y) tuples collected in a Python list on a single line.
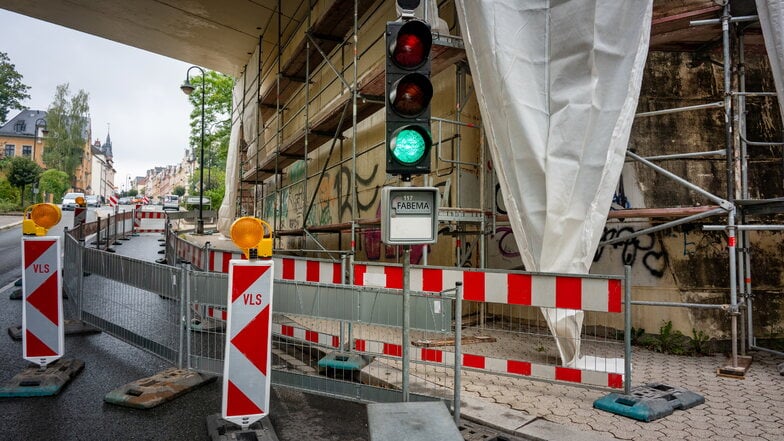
[(124, 201), (171, 202), (69, 201), (92, 200)]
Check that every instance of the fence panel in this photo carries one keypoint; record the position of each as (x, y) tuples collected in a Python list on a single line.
[(135, 301), (206, 315)]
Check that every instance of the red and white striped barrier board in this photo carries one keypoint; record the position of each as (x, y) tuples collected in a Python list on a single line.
[(247, 366), (567, 292), (113, 200), (306, 335), (145, 200), (301, 270), (219, 260), (320, 271), (489, 364), (191, 253), (42, 309), (156, 227), (210, 311)]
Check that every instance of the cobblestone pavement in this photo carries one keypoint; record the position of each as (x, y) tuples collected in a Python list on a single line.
[(734, 409)]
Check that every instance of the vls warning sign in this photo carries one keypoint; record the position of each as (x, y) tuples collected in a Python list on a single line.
[(409, 215)]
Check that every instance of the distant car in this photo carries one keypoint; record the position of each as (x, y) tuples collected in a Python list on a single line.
[(69, 201), (124, 201), (171, 202), (92, 200)]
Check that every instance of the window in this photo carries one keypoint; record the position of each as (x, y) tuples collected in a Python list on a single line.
[(27, 151), (20, 126), (10, 149)]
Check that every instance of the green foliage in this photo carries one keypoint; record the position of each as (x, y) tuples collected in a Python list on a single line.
[(700, 342), (54, 182), (8, 193), (7, 206), (179, 190), (637, 334), (22, 172), (12, 90), (133, 192), (68, 125), (668, 341), (217, 117)]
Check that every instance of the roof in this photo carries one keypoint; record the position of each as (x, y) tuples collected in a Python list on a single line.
[(24, 123)]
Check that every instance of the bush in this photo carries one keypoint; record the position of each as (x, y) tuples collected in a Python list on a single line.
[(8, 193), (8, 206)]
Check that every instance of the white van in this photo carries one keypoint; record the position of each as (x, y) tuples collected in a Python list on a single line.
[(171, 202), (69, 201)]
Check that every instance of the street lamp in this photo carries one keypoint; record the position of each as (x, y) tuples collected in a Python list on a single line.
[(40, 122), (188, 89)]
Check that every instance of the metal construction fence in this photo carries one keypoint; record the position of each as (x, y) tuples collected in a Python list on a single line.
[(350, 340)]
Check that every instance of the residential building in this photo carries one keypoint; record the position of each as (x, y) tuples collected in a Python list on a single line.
[(102, 169), (24, 135)]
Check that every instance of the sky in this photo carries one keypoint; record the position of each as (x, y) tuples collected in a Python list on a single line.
[(134, 94)]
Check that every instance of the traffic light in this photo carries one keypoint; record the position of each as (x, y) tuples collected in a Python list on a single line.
[(408, 94)]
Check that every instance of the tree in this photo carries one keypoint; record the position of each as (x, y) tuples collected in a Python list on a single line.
[(12, 90), (179, 190), (54, 182), (217, 119), (68, 123), (22, 172)]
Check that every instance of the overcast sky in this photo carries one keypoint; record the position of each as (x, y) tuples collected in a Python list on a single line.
[(135, 92)]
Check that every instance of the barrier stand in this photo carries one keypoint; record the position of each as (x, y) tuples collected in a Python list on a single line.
[(42, 310), (108, 240), (248, 361), (164, 386), (124, 234), (114, 236)]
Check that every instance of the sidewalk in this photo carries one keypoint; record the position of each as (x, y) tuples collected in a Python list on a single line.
[(751, 408), (8, 221)]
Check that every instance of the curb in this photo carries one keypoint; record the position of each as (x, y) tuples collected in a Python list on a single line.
[(11, 225)]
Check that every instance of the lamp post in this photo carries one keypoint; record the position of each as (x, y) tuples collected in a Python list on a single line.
[(40, 122), (188, 89)]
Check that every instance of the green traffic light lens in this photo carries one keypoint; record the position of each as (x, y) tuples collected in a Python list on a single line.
[(409, 146)]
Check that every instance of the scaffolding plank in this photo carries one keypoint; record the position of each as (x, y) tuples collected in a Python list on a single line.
[(371, 83), (331, 28)]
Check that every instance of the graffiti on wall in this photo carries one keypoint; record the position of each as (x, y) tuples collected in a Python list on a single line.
[(342, 187), (645, 250)]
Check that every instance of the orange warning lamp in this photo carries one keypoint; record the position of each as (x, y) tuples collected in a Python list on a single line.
[(39, 218), (248, 233), (80, 201)]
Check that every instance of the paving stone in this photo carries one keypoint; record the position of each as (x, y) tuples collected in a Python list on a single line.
[(700, 433)]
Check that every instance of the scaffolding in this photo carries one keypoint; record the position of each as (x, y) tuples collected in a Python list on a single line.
[(322, 82)]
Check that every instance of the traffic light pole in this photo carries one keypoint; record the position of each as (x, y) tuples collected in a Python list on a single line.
[(406, 319)]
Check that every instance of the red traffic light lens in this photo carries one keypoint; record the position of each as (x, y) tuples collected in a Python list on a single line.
[(411, 95), (411, 48)]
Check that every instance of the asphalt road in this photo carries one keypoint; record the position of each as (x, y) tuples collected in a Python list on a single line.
[(79, 412)]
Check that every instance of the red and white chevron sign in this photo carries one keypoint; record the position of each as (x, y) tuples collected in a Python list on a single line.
[(80, 216), (247, 366), (42, 309), (113, 200)]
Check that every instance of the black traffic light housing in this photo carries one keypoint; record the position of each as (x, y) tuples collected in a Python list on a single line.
[(408, 95)]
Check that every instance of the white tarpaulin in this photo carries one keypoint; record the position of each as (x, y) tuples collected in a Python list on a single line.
[(771, 16), (558, 83), (227, 210), (244, 133)]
